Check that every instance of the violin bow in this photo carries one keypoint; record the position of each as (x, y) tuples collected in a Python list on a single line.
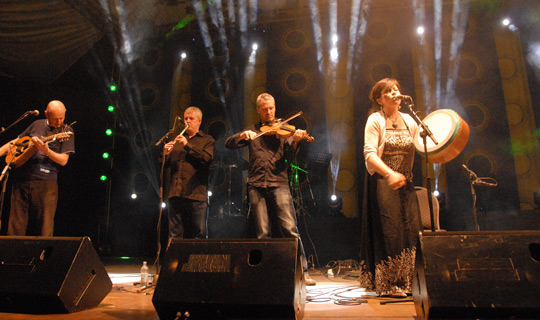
[(277, 125)]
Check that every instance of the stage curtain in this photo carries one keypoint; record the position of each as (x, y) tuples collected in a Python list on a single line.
[(40, 39)]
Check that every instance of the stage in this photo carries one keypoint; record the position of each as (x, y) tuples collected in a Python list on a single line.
[(332, 298)]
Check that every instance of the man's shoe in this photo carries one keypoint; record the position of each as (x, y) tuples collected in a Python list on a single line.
[(308, 280)]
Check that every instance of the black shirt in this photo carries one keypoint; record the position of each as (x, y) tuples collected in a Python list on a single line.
[(190, 166), (269, 156), (39, 166)]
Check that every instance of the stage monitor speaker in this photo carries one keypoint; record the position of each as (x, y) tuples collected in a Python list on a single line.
[(478, 275), (225, 279), (49, 275)]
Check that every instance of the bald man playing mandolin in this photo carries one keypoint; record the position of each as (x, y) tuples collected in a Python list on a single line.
[(36, 156)]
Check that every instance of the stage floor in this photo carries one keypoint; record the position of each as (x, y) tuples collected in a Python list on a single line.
[(331, 300)]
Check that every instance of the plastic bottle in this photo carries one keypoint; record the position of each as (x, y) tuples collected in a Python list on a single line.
[(144, 274)]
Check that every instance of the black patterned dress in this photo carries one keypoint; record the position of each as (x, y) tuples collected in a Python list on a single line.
[(391, 222)]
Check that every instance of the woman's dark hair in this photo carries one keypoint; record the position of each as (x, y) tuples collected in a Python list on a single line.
[(381, 87)]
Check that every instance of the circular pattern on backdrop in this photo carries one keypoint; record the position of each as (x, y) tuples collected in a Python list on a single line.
[(217, 128), (220, 47), (149, 95), (515, 114), (470, 69), (295, 40), (507, 68), (471, 25), (151, 58), (140, 182), (481, 159), (346, 180), (378, 30), (478, 115), (255, 93), (218, 87), (522, 163), (143, 139), (300, 122), (381, 69), (341, 132), (296, 81)]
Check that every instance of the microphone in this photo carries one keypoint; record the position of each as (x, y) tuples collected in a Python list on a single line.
[(471, 173), (34, 113), (402, 97)]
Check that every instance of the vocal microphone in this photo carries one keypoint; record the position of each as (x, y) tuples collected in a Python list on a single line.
[(402, 97), (34, 113), (471, 173)]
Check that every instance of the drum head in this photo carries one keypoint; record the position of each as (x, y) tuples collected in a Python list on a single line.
[(450, 131)]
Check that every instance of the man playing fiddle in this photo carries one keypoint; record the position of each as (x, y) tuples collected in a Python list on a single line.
[(268, 187)]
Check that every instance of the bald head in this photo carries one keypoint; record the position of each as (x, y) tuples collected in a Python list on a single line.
[(55, 113)]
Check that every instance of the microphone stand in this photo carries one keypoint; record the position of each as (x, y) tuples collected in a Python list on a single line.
[(2, 129), (161, 175), (424, 134), (478, 182)]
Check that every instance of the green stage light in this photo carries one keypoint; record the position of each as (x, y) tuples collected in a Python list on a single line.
[(108, 132), (103, 178), (113, 87), (110, 108), (105, 155)]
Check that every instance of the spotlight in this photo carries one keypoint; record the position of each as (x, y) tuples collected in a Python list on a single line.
[(505, 21), (209, 193), (254, 47), (334, 54), (163, 205), (334, 39), (420, 30), (335, 204), (436, 193), (133, 196)]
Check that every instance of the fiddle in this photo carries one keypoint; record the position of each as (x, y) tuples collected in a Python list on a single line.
[(282, 131)]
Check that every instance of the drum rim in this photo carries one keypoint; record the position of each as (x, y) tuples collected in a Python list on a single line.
[(440, 148)]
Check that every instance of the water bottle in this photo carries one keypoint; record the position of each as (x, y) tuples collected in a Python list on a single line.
[(330, 273), (144, 275)]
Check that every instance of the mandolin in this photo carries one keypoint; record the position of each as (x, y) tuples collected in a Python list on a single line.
[(24, 148)]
